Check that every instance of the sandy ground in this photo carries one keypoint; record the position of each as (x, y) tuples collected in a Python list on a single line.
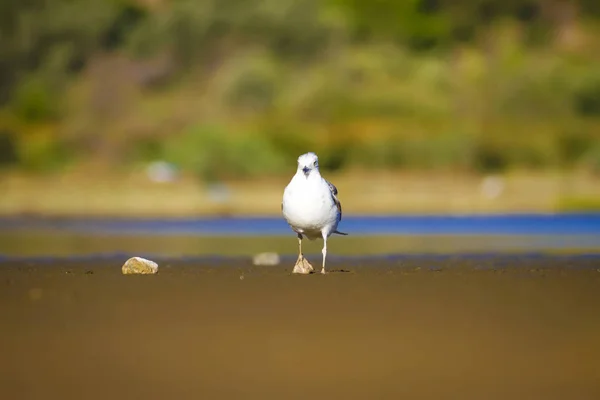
[(417, 328)]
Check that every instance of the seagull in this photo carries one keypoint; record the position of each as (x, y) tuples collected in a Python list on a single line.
[(311, 208)]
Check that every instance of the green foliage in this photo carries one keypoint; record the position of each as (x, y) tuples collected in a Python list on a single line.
[(437, 151), (40, 151), (34, 101), (8, 149), (253, 83), (591, 157), (212, 154), (380, 84), (587, 98), (288, 140), (578, 204)]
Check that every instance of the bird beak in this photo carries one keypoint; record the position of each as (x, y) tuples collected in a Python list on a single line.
[(306, 170)]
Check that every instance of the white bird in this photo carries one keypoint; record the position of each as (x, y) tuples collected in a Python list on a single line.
[(311, 208)]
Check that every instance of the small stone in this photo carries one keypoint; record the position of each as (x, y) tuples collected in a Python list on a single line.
[(139, 265), (266, 259)]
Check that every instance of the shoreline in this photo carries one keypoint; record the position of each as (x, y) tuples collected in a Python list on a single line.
[(74, 244)]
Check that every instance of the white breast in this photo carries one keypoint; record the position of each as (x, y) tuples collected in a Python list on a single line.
[(308, 206)]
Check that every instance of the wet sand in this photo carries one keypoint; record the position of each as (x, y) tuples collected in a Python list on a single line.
[(455, 327)]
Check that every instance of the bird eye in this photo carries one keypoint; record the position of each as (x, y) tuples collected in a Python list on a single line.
[(315, 163)]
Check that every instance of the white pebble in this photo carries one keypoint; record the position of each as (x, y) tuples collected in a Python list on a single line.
[(266, 259), (139, 265)]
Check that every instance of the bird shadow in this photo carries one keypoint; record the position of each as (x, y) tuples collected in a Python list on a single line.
[(341, 270), (331, 271), (317, 270)]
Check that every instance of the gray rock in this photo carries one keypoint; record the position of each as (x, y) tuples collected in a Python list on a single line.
[(266, 259), (139, 265)]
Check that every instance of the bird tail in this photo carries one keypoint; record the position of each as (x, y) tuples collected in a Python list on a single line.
[(340, 233)]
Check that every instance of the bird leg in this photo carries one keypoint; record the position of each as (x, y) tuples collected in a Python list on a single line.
[(324, 251), (302, 265)]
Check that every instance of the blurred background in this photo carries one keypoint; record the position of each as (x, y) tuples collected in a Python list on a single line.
[(182, 108)]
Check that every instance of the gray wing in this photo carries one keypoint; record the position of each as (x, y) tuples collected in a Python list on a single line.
[(332, 187), (334, 193)]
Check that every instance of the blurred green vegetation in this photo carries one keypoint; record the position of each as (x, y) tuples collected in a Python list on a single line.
[(472, 85)]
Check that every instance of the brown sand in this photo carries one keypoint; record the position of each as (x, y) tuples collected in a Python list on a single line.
[(413, 329)]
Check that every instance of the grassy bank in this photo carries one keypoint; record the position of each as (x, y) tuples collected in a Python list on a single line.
[(133, 194)]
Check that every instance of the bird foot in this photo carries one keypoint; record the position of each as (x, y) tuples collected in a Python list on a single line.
[(302, 266), (323, 271)]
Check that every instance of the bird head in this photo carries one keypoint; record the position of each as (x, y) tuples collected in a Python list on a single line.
[(308, 163)]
